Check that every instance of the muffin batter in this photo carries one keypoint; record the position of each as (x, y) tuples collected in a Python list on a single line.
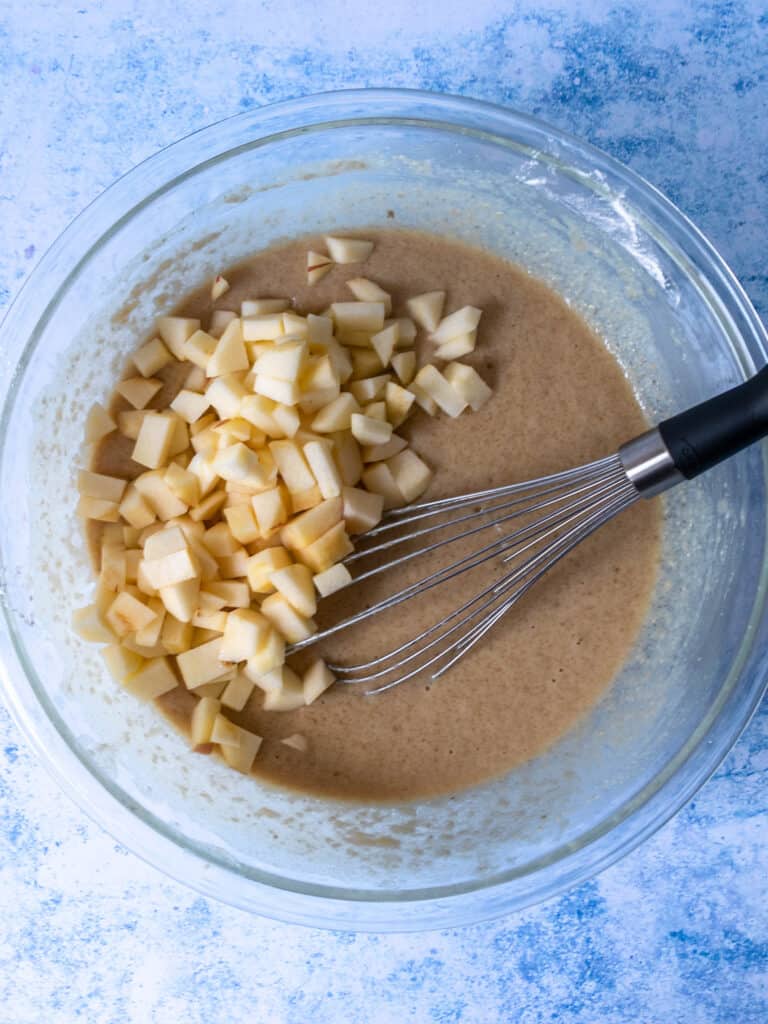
[(560, 399)]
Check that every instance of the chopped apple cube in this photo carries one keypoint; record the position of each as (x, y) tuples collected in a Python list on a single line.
[(261, 307), (270, 509), (333, 546), (99, 509), (348, 458), (294, 325), (237, 692), (406, 331), (211, 622), (263, 328), (368, 291), (151, 357), (457, 347), (242, 523), (219, 286), (120, 661), (269, 656), (369, 389), (365, 363), (384, 342), (175, 331), (88, 624), (259, 410), (149, 636), (411, 474), (399, 402), (139, 391), (201, 722), (461, 322), (318, 266), (199, 349), (229, 356), (225, 395), (220, 318), (189, 405), (284, 361), (431, 381), (319, 455), (158, 495), (468, 383), (286, 392), (348, 250), (296, 741), (172, 569), (378, 479), (294, 582), (262, 565), (311, 525), (201, 664), (242, 756), (317, 679), (290, 623), (98, 424), (181, 599), (209, 507), (224, 732), (202, 467), (362, 509), (184, 484), (154, 678), (97, 485), (336, 415), (376, 411), (331, 580), (292, 465), (370, 431), (238, 462), (404, 365), (127, 614), (175, 636), (427, 309), (234, 566), (367, 317), (113, 571), (245, 632), (219, 541), (305, 499), (379, 452), (156, 435), (226, 594), (289, 696)]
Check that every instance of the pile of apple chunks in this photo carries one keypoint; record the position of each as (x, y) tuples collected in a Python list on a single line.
[(280, 445)]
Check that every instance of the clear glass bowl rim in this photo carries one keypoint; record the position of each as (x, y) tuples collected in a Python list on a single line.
[(322, 907)]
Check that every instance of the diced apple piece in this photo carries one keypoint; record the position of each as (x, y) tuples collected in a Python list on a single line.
[(220, 318), (262, 307), (139, 391), (242, 756), (219, 541), (296, 741), (184, 484), (98, 424), (209, 507), (317, 679), (175, 331), (319, 455), (468, 383), (461, 322), (411, 474), (259, 410), (378, 479), (175, 636), (290, 695), (294, 324), (89, 625), (219, 286), (333, 546), (309, 526), (270, 656), (331, 580), (237, 692), (180, 436), (234, 595), (181, 599), (203, 468), (379, 452), (245, 632), (284, 361), (242, 523), (319, 330), (121, 662), (369, 389), (224, 732), (376, 411), (172, 569), (126, 614), (269, 509), (234, 566), (149, 635), (348, 458), (225, 395), (427, 309), (151, 357), (263, 328), (367, 317), (286, 392), (362, 509), (384, 342), (201, 664), (154, 678), (189, 405), (99, 509), (155, 438), (209, 621), (262, 565), (158, 495), (238, 462), (404, 365), (294, 582), (292, 465), (319, 375), (457, 347), (305, 499), (113, 571), (98, 485), (370, 431), (368, 291), (318, 266), (132, 559), (202, 719), (336, 415), (440, 390), (365, 363), (399, 402), (199, 349), (348, 250), (290, 623), (229, 355)]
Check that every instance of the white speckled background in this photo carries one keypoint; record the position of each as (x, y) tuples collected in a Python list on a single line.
[(678, 931)]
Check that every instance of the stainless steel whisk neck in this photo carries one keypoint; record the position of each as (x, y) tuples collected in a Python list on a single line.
[(649, 465)]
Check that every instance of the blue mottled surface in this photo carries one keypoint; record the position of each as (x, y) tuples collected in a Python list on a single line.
[(676, 932)]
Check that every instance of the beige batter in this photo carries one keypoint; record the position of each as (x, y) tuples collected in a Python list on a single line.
[(560, 399)]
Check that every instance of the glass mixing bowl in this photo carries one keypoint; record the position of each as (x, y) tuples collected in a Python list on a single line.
[(626, 259)]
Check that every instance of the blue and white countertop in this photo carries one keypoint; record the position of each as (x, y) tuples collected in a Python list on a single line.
[(678, 931)]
